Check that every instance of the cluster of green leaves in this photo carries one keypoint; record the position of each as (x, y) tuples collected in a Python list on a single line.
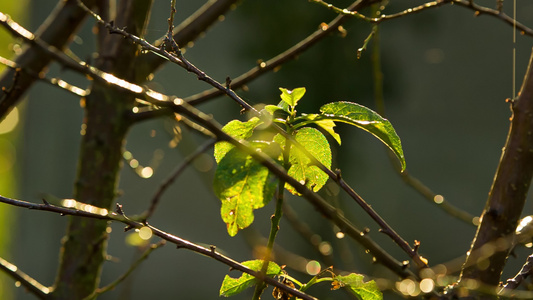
[(243, 184), (354, 283)]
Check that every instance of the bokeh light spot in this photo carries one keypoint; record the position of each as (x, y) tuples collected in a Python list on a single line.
[(313, 267), (145, 233)]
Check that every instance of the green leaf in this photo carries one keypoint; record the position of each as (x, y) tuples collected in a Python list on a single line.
[(232, 286), (243, 184), (272, 108), (355, 284), (368, 120), (301, 168), (292, 97), (238, 130)]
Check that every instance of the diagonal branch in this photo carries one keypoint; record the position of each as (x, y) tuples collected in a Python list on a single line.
[(56, 31), (104, 214), (508, 192), (182, 107), (123, 277), (175, 173), (289, 54), (187, 31), (33, 286)]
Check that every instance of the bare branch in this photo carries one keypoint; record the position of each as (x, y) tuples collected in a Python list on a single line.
[(525, 272), (508, 192), (33, 286), (56, 82), (132, 268), (56, 31), (287, 55), (187, 31), (184, 108), (179, 169), (479, 10), (179, 242)]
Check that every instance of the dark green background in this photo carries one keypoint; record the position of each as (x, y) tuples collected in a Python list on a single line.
[(449, 112)]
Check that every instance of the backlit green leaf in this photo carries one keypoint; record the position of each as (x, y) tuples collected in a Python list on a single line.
[(301, 168), (355, 284), (243, 184), (238, 130), (368, 120), (328, 125), (292, 97), (232, 286)]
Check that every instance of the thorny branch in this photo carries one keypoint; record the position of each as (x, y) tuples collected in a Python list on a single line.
[(179, 106), (289, 54), (479, 10), (119, 216)]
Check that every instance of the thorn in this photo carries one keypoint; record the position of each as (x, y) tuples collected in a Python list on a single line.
[(213, 248), (119, 209), (128, 228), (417, 245), (228, 83), (46, 202)]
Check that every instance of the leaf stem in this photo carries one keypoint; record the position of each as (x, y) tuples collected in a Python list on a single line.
[(275, 220)]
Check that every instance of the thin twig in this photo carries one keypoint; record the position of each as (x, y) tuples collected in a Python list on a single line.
[(479, 10), (179, 169), (206, 121), (524, 273), (32, 285), (123, 277), (187, 31), (305, 231), (56, 31), (416, 184), (56, 82), (271, 64), (179, 242), (178, 59)]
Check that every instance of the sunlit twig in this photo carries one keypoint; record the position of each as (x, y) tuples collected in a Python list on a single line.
[(179, 242), (32, 285)]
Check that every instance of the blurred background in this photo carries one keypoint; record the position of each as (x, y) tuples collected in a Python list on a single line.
[(446, 73)]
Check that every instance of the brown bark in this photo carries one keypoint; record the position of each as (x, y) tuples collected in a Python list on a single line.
[(106, 126), (56, 31), (493, 240)]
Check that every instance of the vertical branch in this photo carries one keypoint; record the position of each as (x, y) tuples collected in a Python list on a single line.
[(106, 125), (507, 195)]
